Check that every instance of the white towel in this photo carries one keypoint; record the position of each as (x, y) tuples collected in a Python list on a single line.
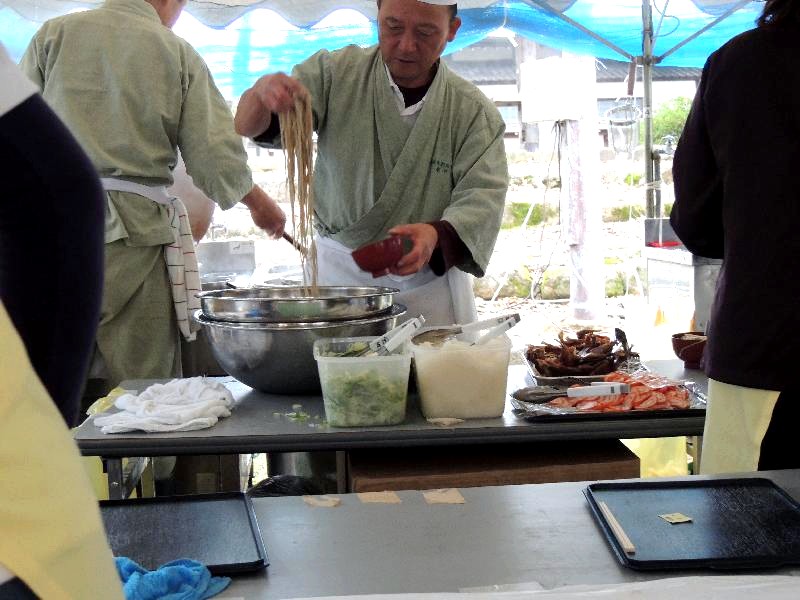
[(183, 270), (180, 405)]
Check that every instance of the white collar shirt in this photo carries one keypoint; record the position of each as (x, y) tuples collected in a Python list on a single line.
[(409, 113)]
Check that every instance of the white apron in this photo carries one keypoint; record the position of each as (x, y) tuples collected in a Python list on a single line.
[(179, 255), (444, 300), (737, 419)]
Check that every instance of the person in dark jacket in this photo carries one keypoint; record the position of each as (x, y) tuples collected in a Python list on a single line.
[(51, 240), (736, 198), (52, 541)]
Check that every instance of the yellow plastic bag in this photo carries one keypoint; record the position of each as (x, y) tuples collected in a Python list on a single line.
[(660, 457), (101, 405), (93, 464)]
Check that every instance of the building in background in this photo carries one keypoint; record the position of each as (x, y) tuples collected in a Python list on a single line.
[(534, 85)]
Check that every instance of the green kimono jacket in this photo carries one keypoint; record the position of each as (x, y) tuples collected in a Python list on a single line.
[(132, 93), (375, 171), (131, 120)]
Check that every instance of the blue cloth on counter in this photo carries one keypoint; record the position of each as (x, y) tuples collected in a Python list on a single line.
[(181, 579)]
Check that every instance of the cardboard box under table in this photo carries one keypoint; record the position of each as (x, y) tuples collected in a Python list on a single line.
[(420, 468)]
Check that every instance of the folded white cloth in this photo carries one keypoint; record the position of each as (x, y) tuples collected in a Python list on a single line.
[(180, 405)]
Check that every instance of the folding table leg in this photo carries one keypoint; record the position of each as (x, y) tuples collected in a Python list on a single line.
[(341, 471), (123, 480)]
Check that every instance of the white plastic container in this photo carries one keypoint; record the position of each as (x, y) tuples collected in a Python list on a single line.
[(462, 381), (362, 391)]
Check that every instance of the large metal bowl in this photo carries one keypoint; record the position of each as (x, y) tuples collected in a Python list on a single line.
[(278, 358), (290, 304)]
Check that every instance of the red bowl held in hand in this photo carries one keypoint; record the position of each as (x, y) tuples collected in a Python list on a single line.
[(377, 257)]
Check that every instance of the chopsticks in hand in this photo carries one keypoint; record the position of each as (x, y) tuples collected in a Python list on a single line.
[(294, 243)]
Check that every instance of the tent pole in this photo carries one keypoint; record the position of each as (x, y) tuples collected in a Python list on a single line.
[(652, 195)]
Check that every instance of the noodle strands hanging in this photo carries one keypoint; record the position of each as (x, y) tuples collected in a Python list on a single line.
[(298, 147)]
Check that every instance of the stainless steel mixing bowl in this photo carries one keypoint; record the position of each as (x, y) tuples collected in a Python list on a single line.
[(290, 304), (278, 358)]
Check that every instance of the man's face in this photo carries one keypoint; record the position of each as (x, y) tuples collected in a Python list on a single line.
[(412, 36)]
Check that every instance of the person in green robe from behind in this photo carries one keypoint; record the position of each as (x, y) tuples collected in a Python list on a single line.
[(134, 94), (405, 147)]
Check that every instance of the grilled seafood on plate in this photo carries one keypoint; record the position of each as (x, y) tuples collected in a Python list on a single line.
[(588, 353)]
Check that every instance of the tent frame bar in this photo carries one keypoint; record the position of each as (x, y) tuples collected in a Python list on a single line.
[(700, 32), (546, 7), (647, 60)]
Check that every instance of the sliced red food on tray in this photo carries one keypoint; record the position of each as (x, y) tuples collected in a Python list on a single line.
[(648, 391)]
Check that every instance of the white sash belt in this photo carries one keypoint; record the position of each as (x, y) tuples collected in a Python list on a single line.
[(179, 255)]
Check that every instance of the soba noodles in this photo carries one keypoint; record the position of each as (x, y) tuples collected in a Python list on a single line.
[(298, 147)]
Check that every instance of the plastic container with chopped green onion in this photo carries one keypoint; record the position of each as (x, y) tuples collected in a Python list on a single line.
[(361, 391)]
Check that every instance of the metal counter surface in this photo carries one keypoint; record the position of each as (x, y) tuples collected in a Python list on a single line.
[(502, 535), (259, 423)]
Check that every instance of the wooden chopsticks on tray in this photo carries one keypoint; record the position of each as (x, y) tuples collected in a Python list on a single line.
[(616, 528)]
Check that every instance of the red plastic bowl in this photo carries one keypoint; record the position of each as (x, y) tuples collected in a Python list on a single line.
[(379, 256)]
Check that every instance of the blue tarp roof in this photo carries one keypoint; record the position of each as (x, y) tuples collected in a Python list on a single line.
[(254, 41)]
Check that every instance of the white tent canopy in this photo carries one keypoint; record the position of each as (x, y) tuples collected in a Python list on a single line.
[(303, 13)]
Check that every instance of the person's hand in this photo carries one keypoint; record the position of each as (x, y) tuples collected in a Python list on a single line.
[(423, 238), (277, 92), (270, 94), (265, 212)]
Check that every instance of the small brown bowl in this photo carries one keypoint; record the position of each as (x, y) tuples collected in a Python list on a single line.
[(689, 347), (379, 257)]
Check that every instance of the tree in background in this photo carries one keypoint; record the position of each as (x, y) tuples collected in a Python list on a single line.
[(670, 117)]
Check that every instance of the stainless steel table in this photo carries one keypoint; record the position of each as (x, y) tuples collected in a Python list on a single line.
[(259, 424), (501, 535)]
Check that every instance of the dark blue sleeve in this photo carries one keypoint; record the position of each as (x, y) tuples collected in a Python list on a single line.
[(697, 212), (51, 247), (271, 137)]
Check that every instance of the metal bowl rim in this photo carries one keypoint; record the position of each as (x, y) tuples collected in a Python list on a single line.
[(395, 310), (220, 294)]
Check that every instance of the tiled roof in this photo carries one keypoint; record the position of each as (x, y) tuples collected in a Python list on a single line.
[(488, 62), (492, 62), (617, 70), (486, 73)]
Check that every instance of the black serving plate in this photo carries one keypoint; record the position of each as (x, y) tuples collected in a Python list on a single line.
[(217, 530), (743, 523)]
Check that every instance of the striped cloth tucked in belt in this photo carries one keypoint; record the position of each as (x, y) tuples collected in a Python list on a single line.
[(179, 255)]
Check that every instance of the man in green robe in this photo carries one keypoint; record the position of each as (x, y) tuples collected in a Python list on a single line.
[(405, 147), (133, 93)]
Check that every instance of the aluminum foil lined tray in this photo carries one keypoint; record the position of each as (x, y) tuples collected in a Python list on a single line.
[(533, 402)]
